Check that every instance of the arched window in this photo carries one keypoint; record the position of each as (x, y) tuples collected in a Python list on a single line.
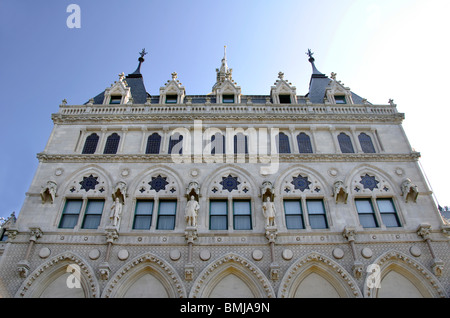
[(153, 144), (345, 143), (176, 140), (240, 144), (304, 143), (217, 144), (112, 144), (282, 141), (90, 144), (366, 143)]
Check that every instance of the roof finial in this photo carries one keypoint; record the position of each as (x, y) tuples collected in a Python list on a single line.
[(141, 59), (310, 54), (311, 60)]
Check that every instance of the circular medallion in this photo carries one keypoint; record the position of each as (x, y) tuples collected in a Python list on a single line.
[(287, 254), (123, 255), (175, 255), (94, 254), (338, 253), (44, 252), (257, 255)]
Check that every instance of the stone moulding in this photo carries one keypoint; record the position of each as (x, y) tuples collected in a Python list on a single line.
[(44, 272), (202, 283), (145, 158), (126, 272), (290, 277), (410, 265)]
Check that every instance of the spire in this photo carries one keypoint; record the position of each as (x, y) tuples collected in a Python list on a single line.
[(311, 60), (141, 59), (224, 72)]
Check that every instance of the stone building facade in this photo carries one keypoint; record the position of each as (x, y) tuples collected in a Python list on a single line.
[(227, 195)]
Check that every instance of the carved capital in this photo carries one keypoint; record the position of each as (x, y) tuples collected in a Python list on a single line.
[(111, 234), (424, 230), (357, 269), (23, 268), (104, 270), (271, 233), (35, 233), (191, 234), (349, 233), (189, 272), (437, 267)]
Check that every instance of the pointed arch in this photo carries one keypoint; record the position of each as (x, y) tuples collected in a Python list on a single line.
[(336, 278), (396, 268), (313, 175), (41, 282), (104, 178), (158, 169), (146, 268), (386, 184), (243, 273)]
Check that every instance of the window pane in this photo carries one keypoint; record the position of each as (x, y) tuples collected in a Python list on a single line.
[(345, 143), (304, 143), (166, 215), (90, 144), (367, 220), (366, 143), (240, 144), (171, 99), (228, 98), (316, 213), (364, 206), (283, 143), (143, 215), (293, 214), (93, 214), (112, 144), (70, 214), (385, 206), (217, 144), (153, 144), (365, 213), (218, 215), (176, 141), (218, 208), (242, 215), (388, 213), (285, 99)]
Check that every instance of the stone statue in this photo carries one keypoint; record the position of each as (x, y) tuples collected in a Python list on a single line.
[(116, 213), (191, 212), (269, 212)]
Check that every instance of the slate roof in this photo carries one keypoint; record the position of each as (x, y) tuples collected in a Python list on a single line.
[(316, 93)]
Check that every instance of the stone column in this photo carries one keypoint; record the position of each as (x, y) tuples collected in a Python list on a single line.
[(23, 266), (424, 230)]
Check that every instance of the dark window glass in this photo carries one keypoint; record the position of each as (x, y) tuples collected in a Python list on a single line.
[(283, 143), (304, 143), (293, 214), (115, 99), (217, 144), (388, 214), (218, 215), (70, 214), (340, 99), (90, 145), (171, 99), (242, 217), (316, 214), (366, 143), (365, 213), (345, 143), (176, 140), (93, 214), (166, 215), (112, 144), (153, 144), (228, 99), (143, 215), (240, 144), (285, 99)]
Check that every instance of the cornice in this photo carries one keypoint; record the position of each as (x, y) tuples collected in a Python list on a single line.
[(164, 158)]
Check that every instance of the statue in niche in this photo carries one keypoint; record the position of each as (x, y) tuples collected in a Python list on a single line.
[(49, 191), (409, 190), (269, 212), (116, 213), (191, 212)]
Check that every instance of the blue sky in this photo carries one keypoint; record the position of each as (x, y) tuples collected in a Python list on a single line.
[(381, 49)]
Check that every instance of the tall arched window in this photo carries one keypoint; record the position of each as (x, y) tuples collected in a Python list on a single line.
[(282, 141), (217, 144), (240, 144), (345, 143), (90, 145), (304, 143), (176, 141), (112, 144), (366, 143), (153, 144)]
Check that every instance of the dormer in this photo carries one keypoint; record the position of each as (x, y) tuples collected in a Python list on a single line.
[(337, 93), (172, 92), (119, 93), (283, 92), (225, 89)]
